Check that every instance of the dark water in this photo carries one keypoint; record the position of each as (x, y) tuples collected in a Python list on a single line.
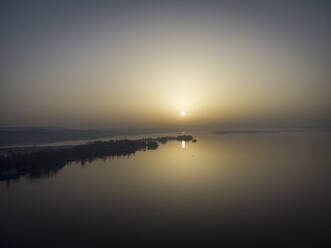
[(238, 190)]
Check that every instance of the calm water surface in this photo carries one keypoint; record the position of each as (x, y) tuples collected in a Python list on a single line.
[(270, 189)]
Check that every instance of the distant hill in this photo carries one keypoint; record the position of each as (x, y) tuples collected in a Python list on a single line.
[(275, 130)]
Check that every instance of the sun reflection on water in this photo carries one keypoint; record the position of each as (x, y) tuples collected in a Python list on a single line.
[(183, 144)]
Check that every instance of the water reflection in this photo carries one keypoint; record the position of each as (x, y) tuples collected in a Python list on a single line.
[(183, 144), (231, 188)]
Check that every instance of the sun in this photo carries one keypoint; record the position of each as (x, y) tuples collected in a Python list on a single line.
[(183, 113)]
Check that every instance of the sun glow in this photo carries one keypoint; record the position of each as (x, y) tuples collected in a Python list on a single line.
[(183, 113)]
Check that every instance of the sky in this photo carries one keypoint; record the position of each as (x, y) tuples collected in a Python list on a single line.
[(97, 64)]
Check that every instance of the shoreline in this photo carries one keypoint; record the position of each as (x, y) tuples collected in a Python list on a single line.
[(37, 161)]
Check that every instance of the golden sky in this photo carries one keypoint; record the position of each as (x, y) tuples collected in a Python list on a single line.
[(141, 67)]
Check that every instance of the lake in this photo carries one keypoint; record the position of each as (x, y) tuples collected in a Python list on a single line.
[(268, 189)]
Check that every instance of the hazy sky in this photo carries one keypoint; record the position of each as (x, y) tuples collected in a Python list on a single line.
[(94, 64)]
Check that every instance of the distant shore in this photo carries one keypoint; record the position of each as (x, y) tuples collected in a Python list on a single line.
[(28, 136)]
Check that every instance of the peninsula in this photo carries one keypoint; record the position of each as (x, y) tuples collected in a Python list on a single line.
[(47, 160)]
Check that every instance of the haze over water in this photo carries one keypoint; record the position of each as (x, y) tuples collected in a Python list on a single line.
[(267, 188)]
